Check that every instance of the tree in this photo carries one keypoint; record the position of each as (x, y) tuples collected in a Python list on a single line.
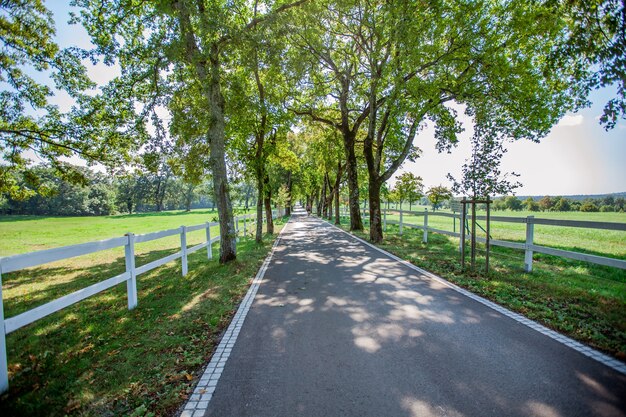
[(382, 71), (597, 39), (481, 173), (438, 194), (546, 203), (562, 204), (531, 205), (588, 206), (513, 203), (187, 42), (282, 198), (28, 122), (328, 59), (409, 187)]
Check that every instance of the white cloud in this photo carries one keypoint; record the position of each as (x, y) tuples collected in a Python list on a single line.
[(568, 120)]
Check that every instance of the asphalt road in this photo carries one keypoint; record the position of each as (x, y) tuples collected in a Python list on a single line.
[(339, 329)]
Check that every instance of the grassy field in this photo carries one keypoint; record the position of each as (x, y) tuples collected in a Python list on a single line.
[(96, 358), (584, 301), (594, 241)]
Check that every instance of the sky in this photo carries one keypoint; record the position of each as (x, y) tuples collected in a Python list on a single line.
[(577, 157)]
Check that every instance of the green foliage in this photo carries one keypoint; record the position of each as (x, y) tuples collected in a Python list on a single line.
[(94, 129), (437, 195), (596, 37), (530, 205), (408, 187), (588, 206), (512, 203)]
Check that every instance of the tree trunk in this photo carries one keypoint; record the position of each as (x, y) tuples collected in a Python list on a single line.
[(228, 246), (376, 227), (356, 223), (259, 210), (248, 192), (337, 184), (289, 186), (268, 213), (330, 207)]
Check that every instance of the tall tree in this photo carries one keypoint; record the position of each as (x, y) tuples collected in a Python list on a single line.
[(192, 39)]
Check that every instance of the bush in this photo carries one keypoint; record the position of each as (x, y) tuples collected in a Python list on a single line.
[(606, 208)]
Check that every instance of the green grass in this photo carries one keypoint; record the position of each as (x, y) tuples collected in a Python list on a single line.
[(20, 234), (97, 358), (610, 243), (584, 301)]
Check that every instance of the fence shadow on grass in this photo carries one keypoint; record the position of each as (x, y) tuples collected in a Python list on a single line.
[(98, 358)]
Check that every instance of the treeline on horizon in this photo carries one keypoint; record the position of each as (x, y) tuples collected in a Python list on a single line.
[(608, 203), (102, 194)]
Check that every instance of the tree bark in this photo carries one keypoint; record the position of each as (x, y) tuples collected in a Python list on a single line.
[(259, 210), (216, 137), (376, 227), (289, 187), (356, 223), (268, 212), (337, 185)]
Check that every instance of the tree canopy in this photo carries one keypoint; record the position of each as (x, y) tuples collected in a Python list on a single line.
[(299, 98)]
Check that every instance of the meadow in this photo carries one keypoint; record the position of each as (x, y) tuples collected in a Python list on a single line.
[(609, 243), (96, 357)]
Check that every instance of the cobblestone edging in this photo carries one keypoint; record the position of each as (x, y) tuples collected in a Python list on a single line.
[(577, 346), (199, 401)]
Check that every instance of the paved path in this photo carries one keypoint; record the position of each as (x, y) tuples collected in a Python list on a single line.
[(339, 329)]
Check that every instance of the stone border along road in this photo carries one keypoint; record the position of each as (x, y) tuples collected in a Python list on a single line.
[(539, 378), (199, 401), (577, 346)]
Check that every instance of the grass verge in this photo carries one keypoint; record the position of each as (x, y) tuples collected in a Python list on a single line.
[(96, 358), (584, 301)]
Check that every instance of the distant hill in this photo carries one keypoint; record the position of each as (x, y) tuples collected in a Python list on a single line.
[(576, 197)]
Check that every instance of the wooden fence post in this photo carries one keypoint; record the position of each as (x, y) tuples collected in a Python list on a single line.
[(425, 237), (244, 224), (4, 368), (400, 227), (530, 231), (183, 248), (453, 222), (462, 235), (209, 248), (131, 284)]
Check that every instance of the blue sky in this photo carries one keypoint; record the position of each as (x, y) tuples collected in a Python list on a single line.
[(577, 157)]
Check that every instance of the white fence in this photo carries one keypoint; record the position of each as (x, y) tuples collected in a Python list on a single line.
[(529, 247), (31, 259)]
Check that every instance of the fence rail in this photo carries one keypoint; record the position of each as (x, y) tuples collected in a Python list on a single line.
[(27, 260), (529, 247)]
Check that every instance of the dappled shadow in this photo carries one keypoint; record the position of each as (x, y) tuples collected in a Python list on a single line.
[(339, 329)]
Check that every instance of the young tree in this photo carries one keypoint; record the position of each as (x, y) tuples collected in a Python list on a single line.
[(438, 194), (409, 187)]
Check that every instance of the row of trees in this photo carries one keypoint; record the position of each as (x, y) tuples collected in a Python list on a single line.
[(547, 203), (100, 194), (308, 95)]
